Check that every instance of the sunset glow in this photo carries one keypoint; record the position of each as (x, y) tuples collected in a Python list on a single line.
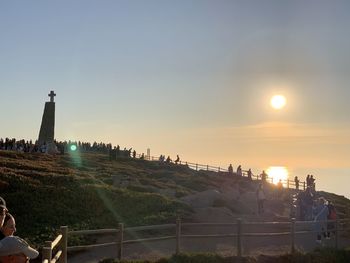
[(277, 173), (278, 102)]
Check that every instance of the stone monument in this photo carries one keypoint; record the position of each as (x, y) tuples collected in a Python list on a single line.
[(47, 129)]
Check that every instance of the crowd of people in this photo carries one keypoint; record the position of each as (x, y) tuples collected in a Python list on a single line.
[(29, 146), (13, 249)]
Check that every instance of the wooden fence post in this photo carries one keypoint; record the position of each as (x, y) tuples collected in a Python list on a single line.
[(336, 233), (304, 186), (178, 235), (196, 166), (292, 235), (120, 238), (207, 167), (64, 241), (239, 237), (47, 251)]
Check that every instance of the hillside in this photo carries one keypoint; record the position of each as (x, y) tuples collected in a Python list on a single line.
[(87, 191)]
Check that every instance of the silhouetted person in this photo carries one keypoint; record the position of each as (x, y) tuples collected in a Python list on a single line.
[(321, 213), (250, 174), (312, 182), (308, 180), (263, 176), (134, 154), (260, 197), (279, 187), (296, 181), (332, 216), (239, 171), (168, 160), (142, 157), (230, 169), (177, 159)]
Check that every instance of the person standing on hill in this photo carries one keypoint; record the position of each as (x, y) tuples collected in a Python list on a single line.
[(239, 171), (177, 159), (263, 176), (230, 169), (296, 181), (321, 213), (260, 197), (250, 174), (332, 216), (312, 183)]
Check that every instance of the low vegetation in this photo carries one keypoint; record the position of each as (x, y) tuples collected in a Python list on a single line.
[(325, 255)]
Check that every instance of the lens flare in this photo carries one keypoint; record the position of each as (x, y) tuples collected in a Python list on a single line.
[(73, 148)]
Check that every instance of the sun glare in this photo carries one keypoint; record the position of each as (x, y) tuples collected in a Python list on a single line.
[(277, 173), (278, 102)]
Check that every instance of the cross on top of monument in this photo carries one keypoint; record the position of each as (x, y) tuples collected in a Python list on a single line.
[(52, 95)]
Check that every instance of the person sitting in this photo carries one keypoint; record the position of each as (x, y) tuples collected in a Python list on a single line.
[(168, 160), (14, 249), (177, 159), (9, 226)]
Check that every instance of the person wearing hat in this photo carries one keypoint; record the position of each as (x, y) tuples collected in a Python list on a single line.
[(14, 249)]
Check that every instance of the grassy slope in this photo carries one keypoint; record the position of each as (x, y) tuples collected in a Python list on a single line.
[(44, 192)]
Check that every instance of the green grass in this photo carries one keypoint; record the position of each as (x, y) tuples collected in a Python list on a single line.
[(44, 192)]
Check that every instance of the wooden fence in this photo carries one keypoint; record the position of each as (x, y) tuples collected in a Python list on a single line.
[(59, 245)]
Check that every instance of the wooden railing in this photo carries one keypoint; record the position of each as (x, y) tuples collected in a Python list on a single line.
[(61, 240), (59, 246)]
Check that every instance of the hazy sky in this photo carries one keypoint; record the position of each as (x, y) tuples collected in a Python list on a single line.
[(192, 78)]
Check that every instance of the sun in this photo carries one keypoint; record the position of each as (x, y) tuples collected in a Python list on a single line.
[(278, 102), (277, 173)]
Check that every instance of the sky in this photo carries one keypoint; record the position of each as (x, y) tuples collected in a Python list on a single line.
[(187, 77)]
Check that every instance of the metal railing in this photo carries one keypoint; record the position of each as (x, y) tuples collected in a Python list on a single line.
[(289, 184)]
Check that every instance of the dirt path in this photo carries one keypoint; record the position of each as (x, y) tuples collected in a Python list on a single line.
[(224, 246)]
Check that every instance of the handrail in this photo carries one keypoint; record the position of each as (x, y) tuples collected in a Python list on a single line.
[(141, 228), (78, 248), (93, 232), (56, 241), (60, 242), (238, 233), (196, 166)]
